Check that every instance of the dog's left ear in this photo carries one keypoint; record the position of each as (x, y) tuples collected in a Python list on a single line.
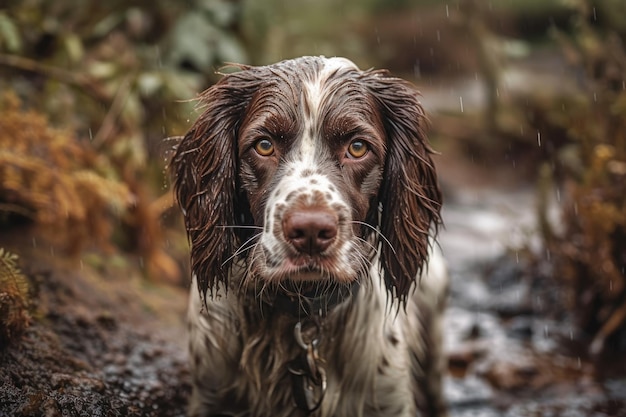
[(409, 193)]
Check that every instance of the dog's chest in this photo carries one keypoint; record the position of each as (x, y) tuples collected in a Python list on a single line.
[(330, 366)]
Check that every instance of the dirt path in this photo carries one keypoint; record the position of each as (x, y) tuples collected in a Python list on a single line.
[(103, 340)]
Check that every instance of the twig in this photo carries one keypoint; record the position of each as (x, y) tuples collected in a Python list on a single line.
[(68, 77), (608, 328), (108, 123), (162, 204)]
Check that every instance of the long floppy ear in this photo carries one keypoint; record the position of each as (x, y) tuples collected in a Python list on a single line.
[(409, 193), (204, 169)]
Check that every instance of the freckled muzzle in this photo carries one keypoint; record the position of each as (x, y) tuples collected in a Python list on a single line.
[(307, 235)]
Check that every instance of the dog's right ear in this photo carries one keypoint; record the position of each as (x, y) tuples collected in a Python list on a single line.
[(204, 170)]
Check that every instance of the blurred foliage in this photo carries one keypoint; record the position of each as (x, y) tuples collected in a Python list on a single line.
[(117, 77), (554, 78), (589, 162), (14, 317), (49, 177), (279, 29), (116, 72)]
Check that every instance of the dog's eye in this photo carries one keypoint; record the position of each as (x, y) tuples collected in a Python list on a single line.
[(357, 149), (264, 147)]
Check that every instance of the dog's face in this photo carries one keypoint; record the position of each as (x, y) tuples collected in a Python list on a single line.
[(304, 169), (312, 152)]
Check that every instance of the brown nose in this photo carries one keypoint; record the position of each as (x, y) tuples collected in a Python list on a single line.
[(310, 231)]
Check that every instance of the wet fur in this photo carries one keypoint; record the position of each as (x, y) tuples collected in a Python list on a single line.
[(381, 347)]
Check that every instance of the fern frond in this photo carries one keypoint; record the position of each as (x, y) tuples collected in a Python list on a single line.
[(49, 177), (14, 317)]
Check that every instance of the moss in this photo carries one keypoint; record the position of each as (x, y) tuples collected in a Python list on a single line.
[(14, 317)]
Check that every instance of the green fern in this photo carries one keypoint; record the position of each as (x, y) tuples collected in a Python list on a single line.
[(14, 317)]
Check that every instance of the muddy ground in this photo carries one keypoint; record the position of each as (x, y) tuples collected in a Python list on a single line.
[(104, 341)]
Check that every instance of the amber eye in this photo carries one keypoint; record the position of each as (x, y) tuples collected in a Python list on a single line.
[(357, 149), (264, 147)]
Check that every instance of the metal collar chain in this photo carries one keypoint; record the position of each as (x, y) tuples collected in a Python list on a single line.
[(308, 374)]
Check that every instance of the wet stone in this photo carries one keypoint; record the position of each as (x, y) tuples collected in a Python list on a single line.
[(521, 328)]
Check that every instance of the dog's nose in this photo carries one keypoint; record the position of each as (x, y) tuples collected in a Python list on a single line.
[(310, 231)]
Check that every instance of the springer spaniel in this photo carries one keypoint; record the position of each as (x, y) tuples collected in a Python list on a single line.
[(311, 201)]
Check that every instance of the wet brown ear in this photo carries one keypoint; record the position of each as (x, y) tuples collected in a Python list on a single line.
[(204, 169), (409, 195)]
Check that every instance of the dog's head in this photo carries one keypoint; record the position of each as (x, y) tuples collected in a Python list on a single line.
[(301, 170)]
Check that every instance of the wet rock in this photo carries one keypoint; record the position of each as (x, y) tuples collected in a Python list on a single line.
[(505, 375), (521, 328), (467, 393), (460, 360)]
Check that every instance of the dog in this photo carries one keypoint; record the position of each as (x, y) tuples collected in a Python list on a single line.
[(311, 203)]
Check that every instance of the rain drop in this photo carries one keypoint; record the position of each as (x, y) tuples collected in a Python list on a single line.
[(158, 54), (539, 138), (461, 102), (90, 134), (447, 11)]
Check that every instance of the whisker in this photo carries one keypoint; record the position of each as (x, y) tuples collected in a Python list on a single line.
[(364, 260), (378, 232), (239, 227), (366, 242), (364, 264), (253, 258), (242, 248)]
